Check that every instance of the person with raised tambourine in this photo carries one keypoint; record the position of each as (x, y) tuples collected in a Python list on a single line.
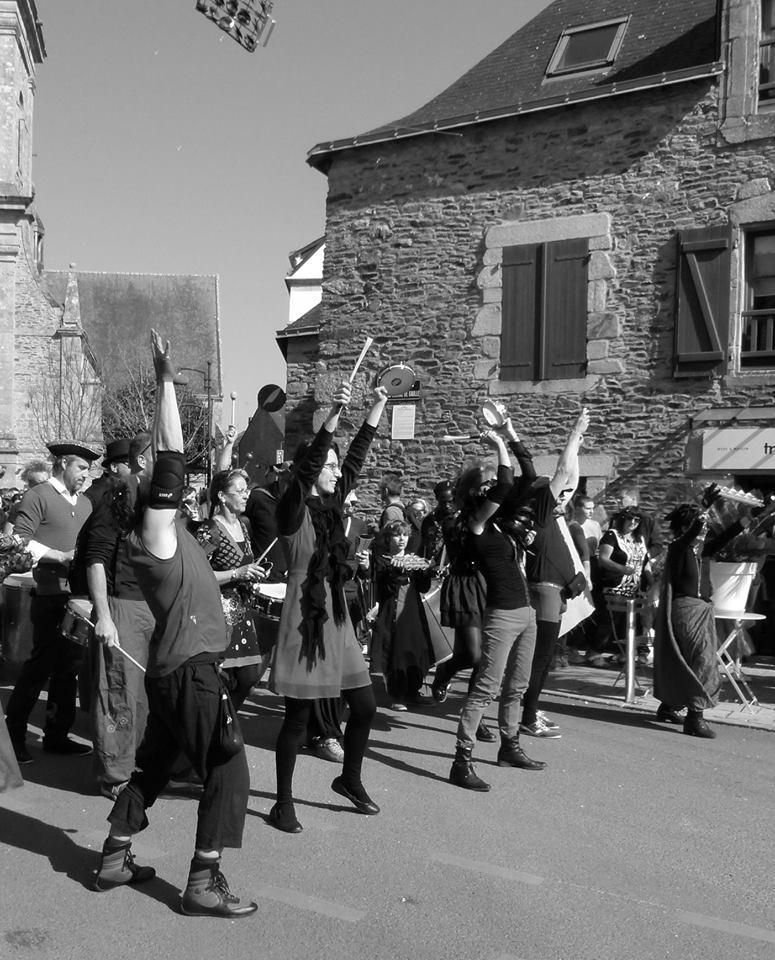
[(497, 549), (317, 654), (400, 645)]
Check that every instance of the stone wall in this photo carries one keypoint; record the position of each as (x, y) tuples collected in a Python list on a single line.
[(406, 249)]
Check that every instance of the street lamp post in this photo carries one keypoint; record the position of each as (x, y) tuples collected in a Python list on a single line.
[(208, 385)]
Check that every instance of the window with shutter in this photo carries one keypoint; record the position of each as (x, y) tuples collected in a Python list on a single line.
[(757, 337), (702, 321), (544, 305)]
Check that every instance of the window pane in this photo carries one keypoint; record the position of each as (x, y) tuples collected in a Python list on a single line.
[(768, 20), (588, 47)]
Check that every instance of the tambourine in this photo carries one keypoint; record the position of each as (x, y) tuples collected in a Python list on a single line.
[(396, 379)]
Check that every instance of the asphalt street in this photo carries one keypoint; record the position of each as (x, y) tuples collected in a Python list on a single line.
[(636, 842)]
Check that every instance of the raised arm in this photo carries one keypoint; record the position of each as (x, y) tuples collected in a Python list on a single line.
[(566, 476), (359, 448), (159, 532), (496, 494)]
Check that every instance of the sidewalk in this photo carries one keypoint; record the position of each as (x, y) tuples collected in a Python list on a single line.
[(597, 685)]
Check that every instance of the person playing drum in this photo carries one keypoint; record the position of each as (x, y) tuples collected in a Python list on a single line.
[(225, 538)]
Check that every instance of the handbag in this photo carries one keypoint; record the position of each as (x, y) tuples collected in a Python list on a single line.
[(231, 740)]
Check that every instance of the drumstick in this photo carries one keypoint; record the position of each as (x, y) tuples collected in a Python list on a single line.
[(452, 438), (129, 656), (359, 361), (266, 551), (121, 650)]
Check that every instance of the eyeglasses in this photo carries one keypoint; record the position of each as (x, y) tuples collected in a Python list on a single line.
[(332, 468)]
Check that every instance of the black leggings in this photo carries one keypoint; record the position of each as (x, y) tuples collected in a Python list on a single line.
[(363, 707), (466, 653), (240, 681), (546, 637)]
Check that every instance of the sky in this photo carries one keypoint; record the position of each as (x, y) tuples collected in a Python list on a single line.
[(161, 146)]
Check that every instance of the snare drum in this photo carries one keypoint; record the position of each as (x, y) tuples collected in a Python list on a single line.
[(268, 606), (76, 623)]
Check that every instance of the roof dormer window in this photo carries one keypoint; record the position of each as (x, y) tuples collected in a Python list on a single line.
[(589, 47)]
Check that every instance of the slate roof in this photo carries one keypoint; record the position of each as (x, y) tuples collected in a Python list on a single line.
[(666, 41), (308, 322), (118, 311)]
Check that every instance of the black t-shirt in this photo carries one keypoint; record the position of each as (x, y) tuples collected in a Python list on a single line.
[(548, 558), (495, 555)]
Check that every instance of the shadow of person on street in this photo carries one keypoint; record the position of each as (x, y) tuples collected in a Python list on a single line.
[(68, 857)]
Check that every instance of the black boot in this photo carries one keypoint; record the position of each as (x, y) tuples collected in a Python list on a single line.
[(695, 725), (484, 734), (511, 754), (463, 774)]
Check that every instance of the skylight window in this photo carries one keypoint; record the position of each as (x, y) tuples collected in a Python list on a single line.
[(590, 47)]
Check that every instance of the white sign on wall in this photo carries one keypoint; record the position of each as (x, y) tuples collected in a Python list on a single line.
[(738, 448), (402, 422)]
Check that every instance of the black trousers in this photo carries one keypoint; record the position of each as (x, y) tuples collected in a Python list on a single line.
[(54, 660), (183, 717)]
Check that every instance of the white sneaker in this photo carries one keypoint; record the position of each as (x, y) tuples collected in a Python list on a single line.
[(549, 724), (329, 749)]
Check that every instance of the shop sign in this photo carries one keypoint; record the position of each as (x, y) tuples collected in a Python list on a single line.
[(739, 448)]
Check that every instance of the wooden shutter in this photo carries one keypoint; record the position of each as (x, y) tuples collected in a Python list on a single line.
[(520, 306), (563, 352), (702, 312)]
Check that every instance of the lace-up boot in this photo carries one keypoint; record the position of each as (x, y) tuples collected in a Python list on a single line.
[(118, 867), (207, 894)]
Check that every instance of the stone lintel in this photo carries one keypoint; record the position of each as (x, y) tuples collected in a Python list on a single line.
[(580, 385), (752, 209), (590, 465), (516, 233)]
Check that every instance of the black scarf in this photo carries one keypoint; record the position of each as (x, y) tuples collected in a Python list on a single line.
[(327, 563)]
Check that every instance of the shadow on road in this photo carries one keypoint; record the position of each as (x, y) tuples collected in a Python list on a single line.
[(66, 856)]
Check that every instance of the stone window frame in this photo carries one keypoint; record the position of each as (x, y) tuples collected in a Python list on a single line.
[(602, 326), (743, 118), (755, 211)]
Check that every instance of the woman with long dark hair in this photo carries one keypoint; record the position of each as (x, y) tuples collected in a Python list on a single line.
[(317, 654), (225, 538)]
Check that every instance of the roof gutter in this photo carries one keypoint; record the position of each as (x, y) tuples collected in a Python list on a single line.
[(321, 150)]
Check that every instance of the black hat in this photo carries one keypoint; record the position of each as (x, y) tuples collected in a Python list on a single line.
[(72, 448), (116, 450)]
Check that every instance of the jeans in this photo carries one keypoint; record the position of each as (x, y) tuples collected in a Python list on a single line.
[(508, 640)]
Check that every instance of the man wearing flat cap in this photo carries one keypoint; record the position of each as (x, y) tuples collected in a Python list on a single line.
[(115, 466), (49, 518)]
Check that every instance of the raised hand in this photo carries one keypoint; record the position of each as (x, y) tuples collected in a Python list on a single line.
[(162, 362)]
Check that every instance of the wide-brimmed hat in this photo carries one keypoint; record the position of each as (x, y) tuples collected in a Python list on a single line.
[(72, 448), (116, 450)]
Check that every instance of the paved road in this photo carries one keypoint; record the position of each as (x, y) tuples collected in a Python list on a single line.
[(637, 842)]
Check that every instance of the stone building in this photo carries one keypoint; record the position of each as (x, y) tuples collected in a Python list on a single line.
[(48, 376), (64, 335), (585, 217)]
